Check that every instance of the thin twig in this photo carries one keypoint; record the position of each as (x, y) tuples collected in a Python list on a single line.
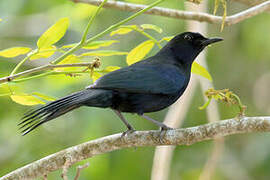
[(253, 11), (178, 14), (79, 169), (114, 142), (43, 68)]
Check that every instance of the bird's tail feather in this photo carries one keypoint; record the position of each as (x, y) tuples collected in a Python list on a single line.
[(35, 118)]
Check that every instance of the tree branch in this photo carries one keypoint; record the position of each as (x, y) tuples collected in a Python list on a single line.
[(43, 68), (114, 142), (250, 2), (187, 15)]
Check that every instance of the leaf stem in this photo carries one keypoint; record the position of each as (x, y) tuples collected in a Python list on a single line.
[(49, 74), (20, 64), (147, 35), (108, 30), (91, 22), (83, 41)]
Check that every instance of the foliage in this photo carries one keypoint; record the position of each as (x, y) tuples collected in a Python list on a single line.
[(46, 48), (238, 63), (226, 96)]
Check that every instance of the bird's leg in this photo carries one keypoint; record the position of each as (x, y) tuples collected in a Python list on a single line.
[(130, 128), (163, 127), (160, 124)]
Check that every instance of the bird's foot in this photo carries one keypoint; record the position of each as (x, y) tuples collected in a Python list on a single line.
[(165, 128), (163, 131), (128, 131)]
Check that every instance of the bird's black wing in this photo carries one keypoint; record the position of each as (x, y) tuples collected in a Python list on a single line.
[(146, 78)]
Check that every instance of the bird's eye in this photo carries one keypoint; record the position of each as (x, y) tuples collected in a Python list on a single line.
[(188, 37)]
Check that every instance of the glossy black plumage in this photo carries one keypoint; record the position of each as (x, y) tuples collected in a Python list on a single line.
[(147, 86)]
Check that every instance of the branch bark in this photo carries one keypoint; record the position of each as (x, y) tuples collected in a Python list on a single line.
[(187, 15), (114, 142)]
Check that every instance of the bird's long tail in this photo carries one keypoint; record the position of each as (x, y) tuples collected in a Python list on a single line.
[(89, 97)]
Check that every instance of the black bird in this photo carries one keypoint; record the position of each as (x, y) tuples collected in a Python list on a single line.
[(146, 86)]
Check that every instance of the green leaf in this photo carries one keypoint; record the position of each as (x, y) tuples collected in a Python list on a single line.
[(7, 94), (45, 97), (111, 68), (53, 34), (152, 26), (200, 70), (80, 11), (99, 44), (103, 53), (123, 30), (44, 53), (26, 99), (15, 51), (94, 44), (0, 19), (69, 46), (9, 87), (95, 76), (139, 52), (167, 38), (4, 88)]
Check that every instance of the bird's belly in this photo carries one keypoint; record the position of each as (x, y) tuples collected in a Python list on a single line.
[(143, 103)]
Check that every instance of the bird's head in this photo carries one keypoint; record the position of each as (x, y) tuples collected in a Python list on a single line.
[(187, 46)]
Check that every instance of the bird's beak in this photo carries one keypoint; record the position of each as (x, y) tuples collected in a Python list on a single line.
[(208, 41)]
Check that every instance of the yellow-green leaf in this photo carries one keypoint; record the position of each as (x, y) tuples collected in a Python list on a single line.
[(152, 26), (9, 88), (99, 44), (111, 68), (69, 46), (44, 53), (95, 76), (80, 11), (139, 52), (26, 99), (7, 94), (4, 88), (103, 53), (45, 97), (53, 34), (167, 38), (0, 19), (69, 60), (94, 44), (123, 30), (15, 51), (200, 70)]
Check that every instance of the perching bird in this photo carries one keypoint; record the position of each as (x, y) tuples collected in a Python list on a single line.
[(147, 86)]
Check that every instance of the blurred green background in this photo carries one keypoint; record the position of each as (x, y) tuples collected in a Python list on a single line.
[(240, 63)]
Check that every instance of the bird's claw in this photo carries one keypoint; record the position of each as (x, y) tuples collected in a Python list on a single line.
[(165, 128), (163, 133), (127, 132)]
